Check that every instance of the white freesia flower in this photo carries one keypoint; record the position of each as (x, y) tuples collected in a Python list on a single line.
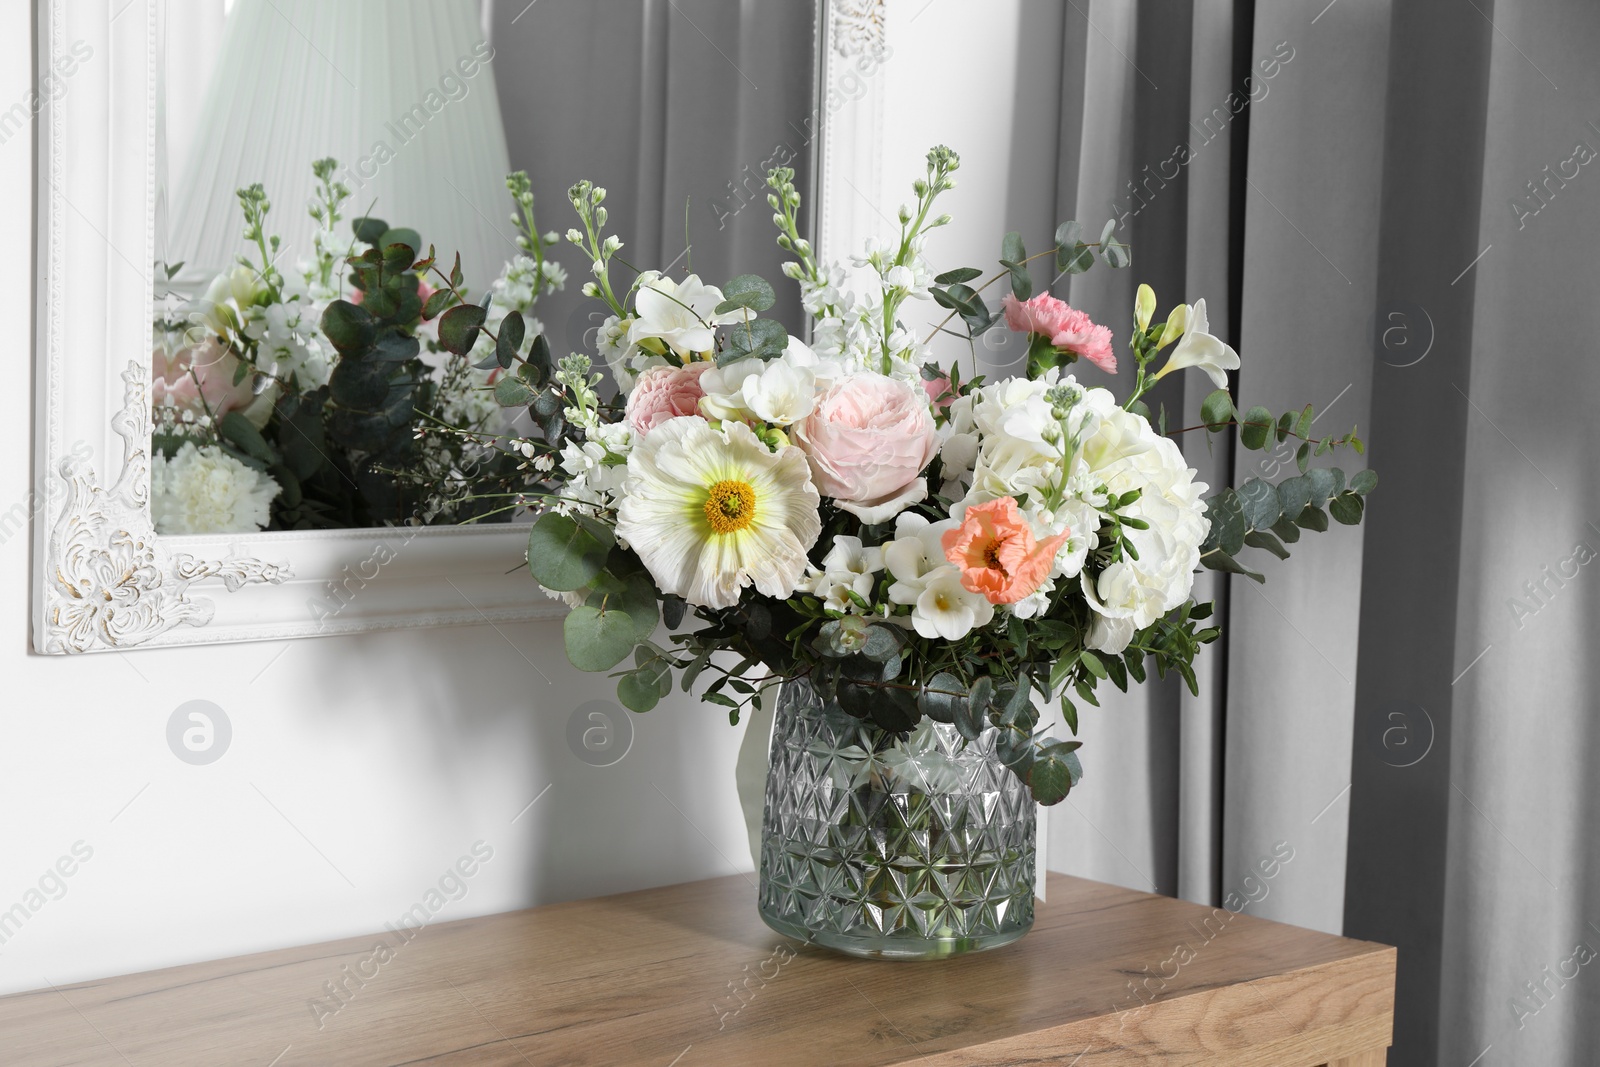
[(205, 490), (781, 391), (713, 511), (916, 552), (681, 315), (848, 567), (947, 608), (1198, 348)]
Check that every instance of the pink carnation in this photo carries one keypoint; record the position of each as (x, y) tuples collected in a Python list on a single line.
[(1064, 326), (664, 393)]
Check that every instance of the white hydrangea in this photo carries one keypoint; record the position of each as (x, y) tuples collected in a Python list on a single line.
[(203, 490), (1065, 454)]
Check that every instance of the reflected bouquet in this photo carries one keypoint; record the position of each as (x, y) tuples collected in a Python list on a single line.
[(270, 414), (916, 545)]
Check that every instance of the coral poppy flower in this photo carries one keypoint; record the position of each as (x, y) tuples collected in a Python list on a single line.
[(998, 555)]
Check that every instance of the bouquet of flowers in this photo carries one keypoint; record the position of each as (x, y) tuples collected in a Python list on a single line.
[(914, 544), (270, 414)]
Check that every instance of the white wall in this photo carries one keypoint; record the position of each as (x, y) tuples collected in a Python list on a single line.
[(361, 767), (358, 770)]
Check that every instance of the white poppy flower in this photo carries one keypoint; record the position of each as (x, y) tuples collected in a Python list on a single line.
[(712, 511)]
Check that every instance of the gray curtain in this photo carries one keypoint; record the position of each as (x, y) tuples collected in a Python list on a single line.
[(677, 108), (1411, 212), (1126, 82)]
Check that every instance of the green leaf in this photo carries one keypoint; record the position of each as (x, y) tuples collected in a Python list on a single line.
[(597, 640), (1227, 522), (1324, 482), (512, 392), (672, 611), (1302, 456), (747, 291), (564, 554), (1347, 508), (1219, 560), (1260, 503), (238, 429), (397, 258), (639, 601), (1012, 255), (437, 302), (1303, 426), (349, 327), (1364, 482), (761, 338), (1312, 518), (1069, 712), (1286, 530), (882, 644), (396, 347), (362, 385), (1055, 771), (936, 700), (368, 230), (458, 327), (402, 235), (1216, 411), (1117, 255), (1255, 428), (960, 274), (1069, 233), (1294, 494), (1011, 248), (510, 337), (1092, 662), (1075, 260), (638, 691), (1285, 424), (1263, 539)]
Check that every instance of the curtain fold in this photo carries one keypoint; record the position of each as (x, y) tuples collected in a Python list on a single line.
[(679, 109), (1412, 207), (1132, 78)]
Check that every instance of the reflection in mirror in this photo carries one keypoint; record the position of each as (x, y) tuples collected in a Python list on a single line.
[(313, 152)]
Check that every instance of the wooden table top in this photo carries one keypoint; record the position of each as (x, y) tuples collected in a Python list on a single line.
[(688, 976)]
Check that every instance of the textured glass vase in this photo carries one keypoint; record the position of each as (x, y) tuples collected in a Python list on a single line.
[(916, 847)]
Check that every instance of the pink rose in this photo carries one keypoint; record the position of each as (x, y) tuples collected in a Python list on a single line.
[(936, 388), (1065, 327), (868, 440), (664, 393), (198, 377)]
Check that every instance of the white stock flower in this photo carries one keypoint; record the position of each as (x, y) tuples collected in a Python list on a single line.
[(712, 511), (204, 490), (1199, 348)]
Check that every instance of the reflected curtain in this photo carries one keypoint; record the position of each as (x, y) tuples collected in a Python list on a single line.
[(1400, 225), (677, 108)]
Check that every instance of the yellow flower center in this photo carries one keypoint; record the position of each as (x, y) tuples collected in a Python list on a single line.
[(730, 507)]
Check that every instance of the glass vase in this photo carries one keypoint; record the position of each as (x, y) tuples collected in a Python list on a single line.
[(913, 846)]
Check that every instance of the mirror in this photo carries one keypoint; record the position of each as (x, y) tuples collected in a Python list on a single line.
[(294, 134)]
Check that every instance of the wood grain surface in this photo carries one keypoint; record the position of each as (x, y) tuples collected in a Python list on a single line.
[(688, 976)]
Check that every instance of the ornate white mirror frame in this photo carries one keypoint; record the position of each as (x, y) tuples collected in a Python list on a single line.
[(103, 579)]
